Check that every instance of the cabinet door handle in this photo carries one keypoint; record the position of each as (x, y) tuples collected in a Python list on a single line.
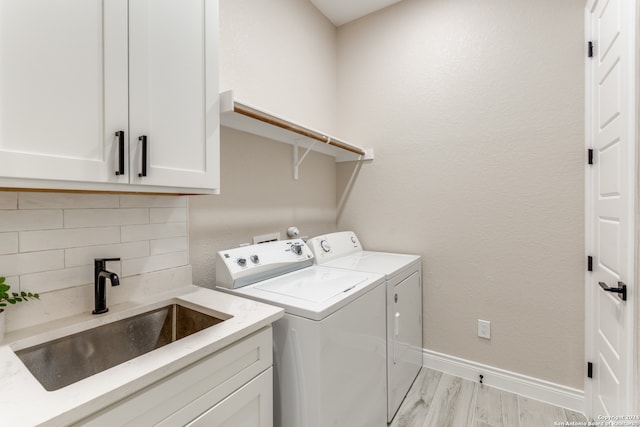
[(143, 171), (120, 135)]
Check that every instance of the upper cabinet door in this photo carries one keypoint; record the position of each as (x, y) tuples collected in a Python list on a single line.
[(63, 89), (174, 93)]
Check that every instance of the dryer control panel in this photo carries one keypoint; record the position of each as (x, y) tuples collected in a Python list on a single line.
[(334, 245), (245, 265)]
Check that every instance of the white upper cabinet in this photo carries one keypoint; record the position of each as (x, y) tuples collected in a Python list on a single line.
[(82, 80), (61, 99), (173, 92)]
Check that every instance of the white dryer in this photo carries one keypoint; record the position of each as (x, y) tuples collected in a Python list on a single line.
[(403, 274), (330, 346)]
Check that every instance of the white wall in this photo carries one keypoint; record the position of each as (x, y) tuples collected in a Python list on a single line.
[(279, 55), (48, 242), (475, 110)]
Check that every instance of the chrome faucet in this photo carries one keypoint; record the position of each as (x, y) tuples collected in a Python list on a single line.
[(101, 273)]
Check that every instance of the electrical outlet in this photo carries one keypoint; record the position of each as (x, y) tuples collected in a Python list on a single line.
[(484, 329)]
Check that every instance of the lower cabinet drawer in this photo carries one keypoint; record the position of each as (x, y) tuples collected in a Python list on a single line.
[(185, 395), (251, 406)]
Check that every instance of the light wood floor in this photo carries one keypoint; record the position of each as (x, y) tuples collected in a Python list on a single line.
[(441, 400)]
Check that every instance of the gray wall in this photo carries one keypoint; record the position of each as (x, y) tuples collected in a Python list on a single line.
[(475, 110)]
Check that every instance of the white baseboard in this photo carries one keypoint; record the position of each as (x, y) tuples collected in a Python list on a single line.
[(523, 385)]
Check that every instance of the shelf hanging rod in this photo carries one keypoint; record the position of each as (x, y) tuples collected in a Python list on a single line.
[(292, 127)]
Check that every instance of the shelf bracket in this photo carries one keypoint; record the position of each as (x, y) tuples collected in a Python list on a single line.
[(298, 161)]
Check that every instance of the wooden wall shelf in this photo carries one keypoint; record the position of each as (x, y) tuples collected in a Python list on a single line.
[(241, 116)]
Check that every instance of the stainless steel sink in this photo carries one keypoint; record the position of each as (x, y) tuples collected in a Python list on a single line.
[(64, 361)]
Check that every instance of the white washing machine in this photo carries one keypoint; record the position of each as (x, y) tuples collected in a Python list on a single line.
[(330, 346), (403, 274)]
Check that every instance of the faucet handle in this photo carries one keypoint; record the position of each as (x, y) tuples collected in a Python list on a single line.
[(106, 259), (100, 263)]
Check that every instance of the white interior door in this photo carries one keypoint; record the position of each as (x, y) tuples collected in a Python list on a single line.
[(610, 206)]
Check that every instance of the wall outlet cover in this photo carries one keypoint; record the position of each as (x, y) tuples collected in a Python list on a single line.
[(484, 329)]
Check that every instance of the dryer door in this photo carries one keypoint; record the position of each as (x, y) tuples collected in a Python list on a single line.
[(404, 338)]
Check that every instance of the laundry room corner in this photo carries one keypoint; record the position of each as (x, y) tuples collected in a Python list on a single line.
[(294, 77), (259, 196)]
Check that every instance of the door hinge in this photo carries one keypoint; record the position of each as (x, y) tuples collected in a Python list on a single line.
[(589, 263), (590, 50), (589, 370), (590, 156)]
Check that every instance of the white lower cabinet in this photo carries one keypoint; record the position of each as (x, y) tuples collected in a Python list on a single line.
[(232, 387), (252, 405)]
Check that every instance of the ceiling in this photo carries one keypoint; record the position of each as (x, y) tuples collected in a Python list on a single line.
[(341, 11)]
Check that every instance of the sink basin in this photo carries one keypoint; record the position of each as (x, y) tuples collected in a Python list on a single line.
[(66, 360)]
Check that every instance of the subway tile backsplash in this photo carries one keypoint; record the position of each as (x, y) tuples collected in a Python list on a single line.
[(76, 218), (31, 262), (22, 220), (66, 201), (63, 238), (133, 233), (48, 241)]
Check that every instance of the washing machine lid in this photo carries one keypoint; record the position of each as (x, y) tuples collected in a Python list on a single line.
[(314, 292), (388, 264)]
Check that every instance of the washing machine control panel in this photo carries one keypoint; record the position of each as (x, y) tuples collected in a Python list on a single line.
[(245, 265)]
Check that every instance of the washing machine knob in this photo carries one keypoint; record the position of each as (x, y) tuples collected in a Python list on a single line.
[(255, 259), (242, 262), (325, 245), (296, 249)]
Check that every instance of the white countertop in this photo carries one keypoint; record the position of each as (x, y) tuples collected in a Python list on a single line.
[(27, 403)]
